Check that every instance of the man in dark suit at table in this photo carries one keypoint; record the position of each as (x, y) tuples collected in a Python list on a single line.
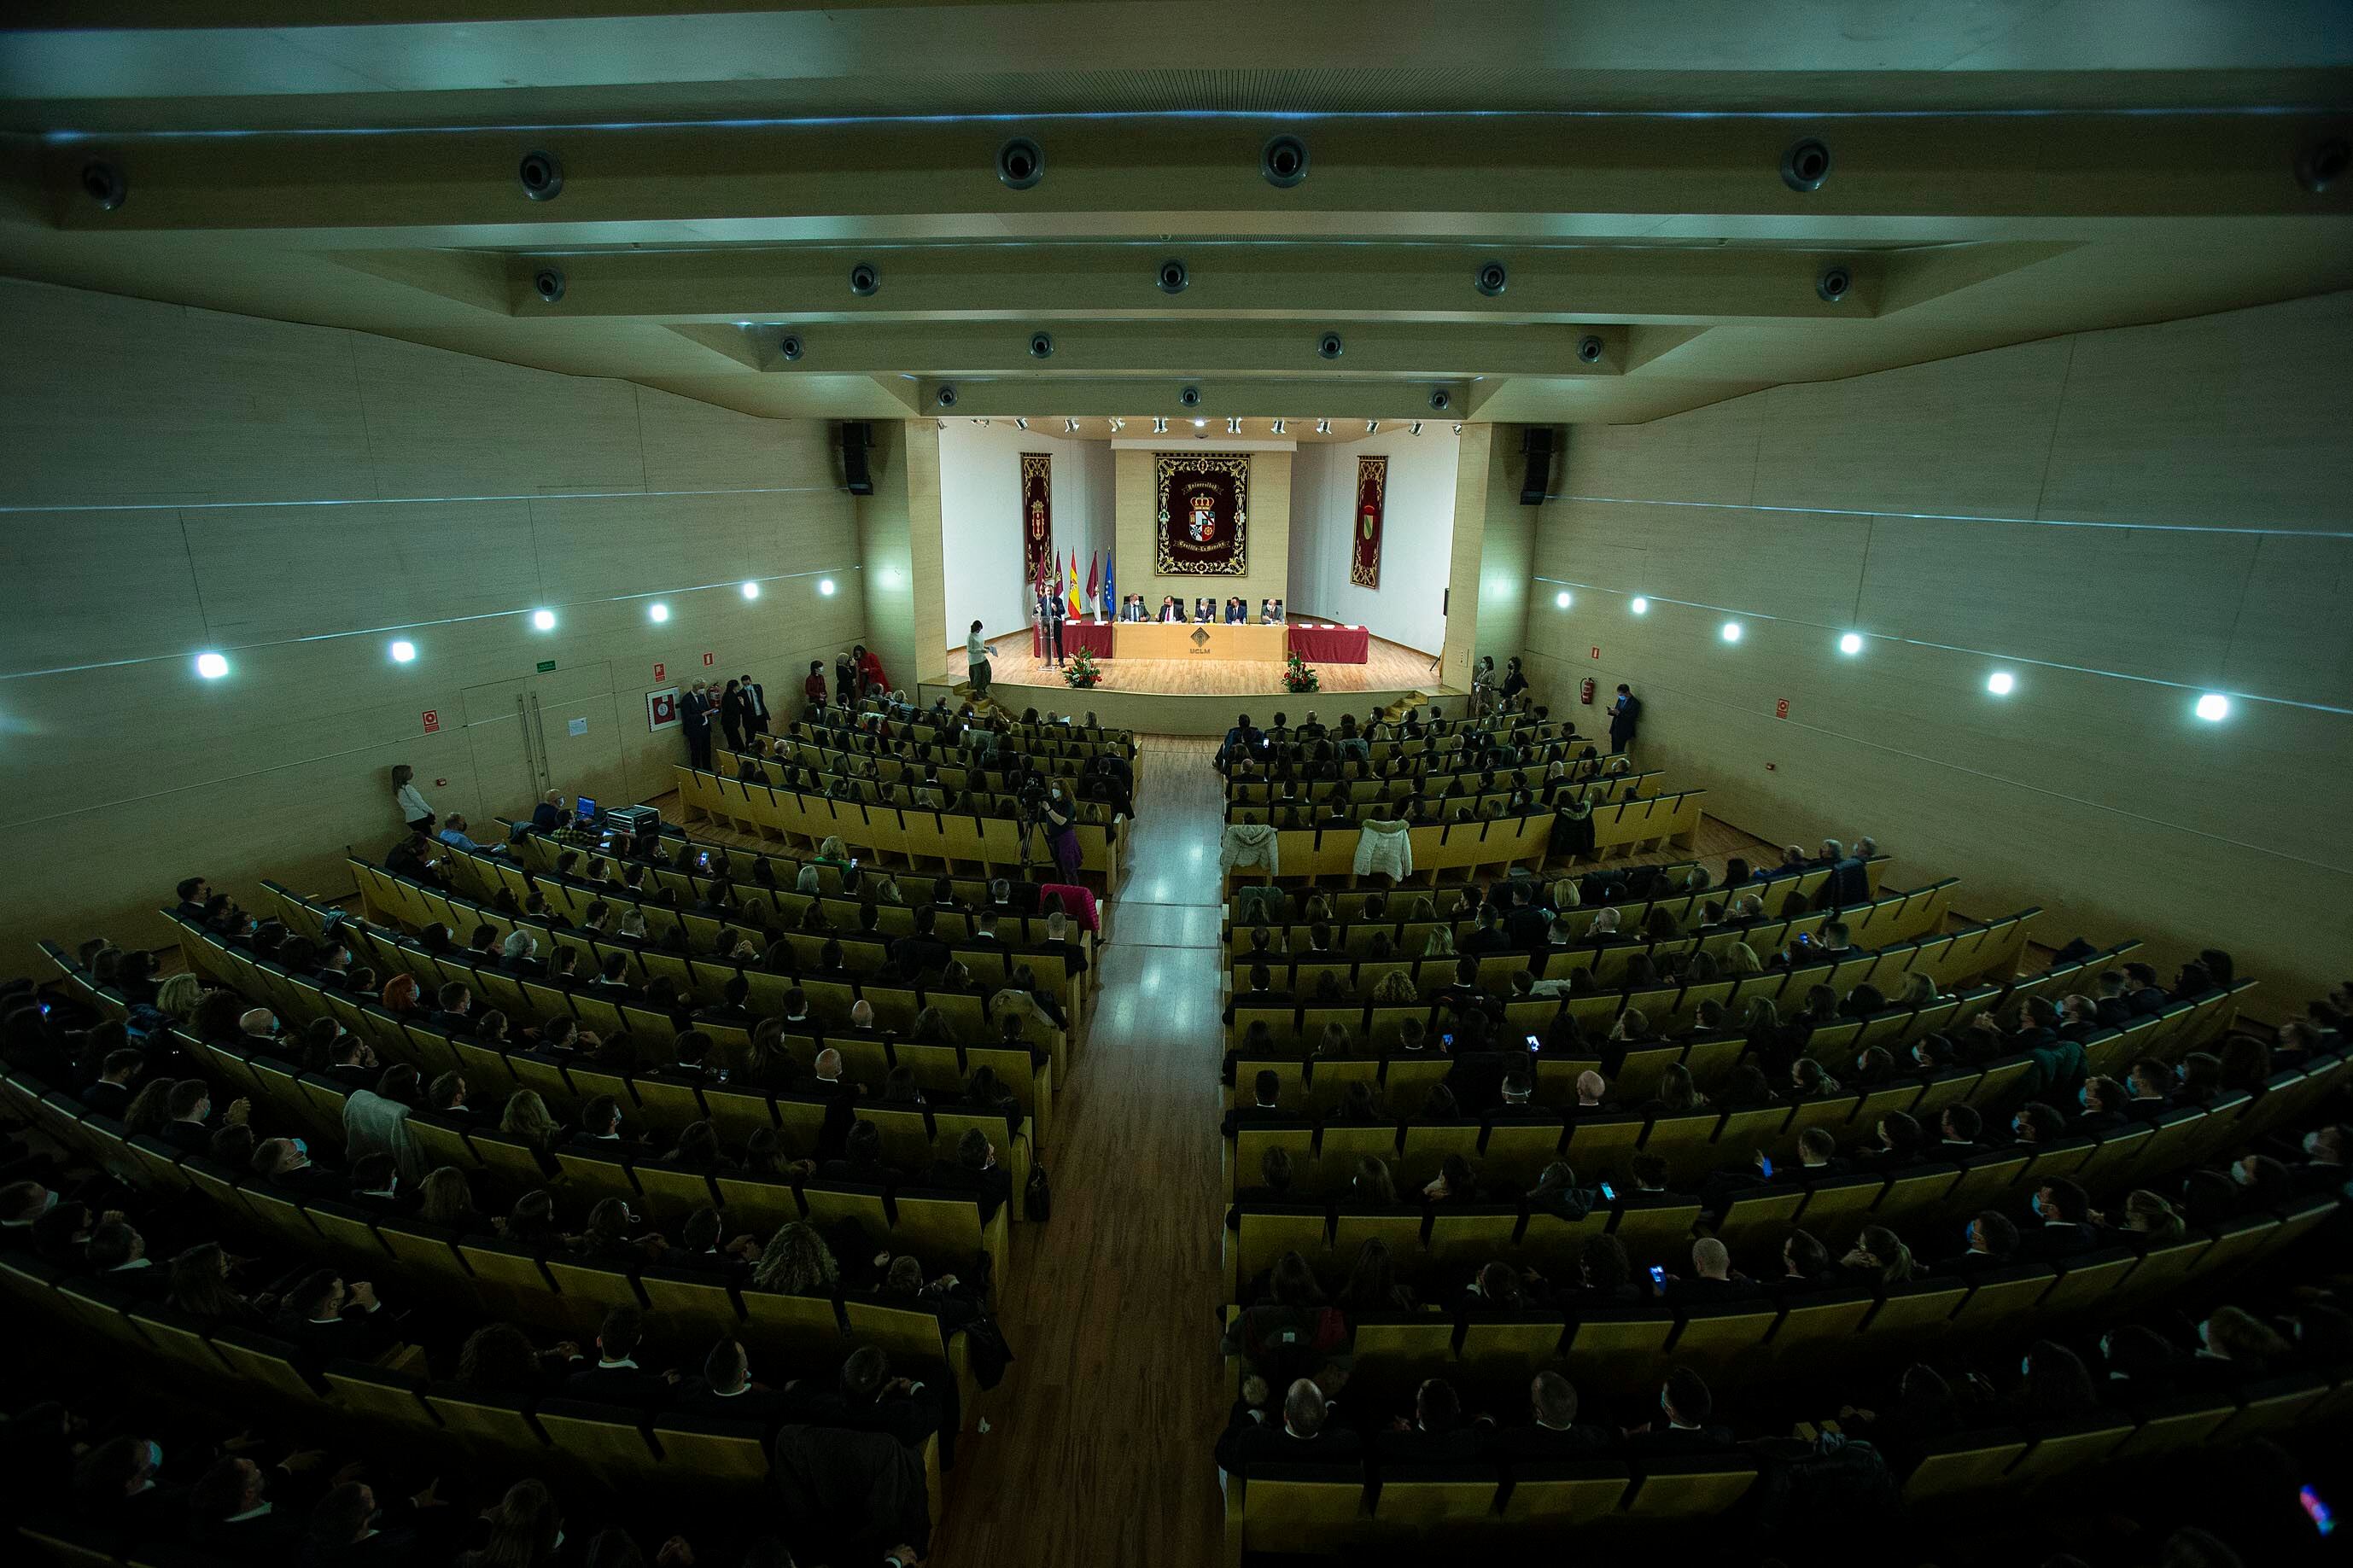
[(1171, 609), (1237, 612)]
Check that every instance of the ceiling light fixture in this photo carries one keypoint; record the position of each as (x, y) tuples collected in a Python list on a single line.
[(658, 613), (2002, 683), (1020, 424), (824, 586), (1561, 598), (1069, 425), (1372, 426), (1278, 426), (1640, 605), (1160, 425), (404, 652), (1233, 426), (211, 666), (1413, 428), (1458, 429), (1117, 426), (1200, 424), (543, 619), (2213, 708), (1322, 428), (751, 590), (1851, 643), (1731, 631)]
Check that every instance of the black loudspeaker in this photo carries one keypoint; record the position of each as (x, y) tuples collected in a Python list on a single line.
[(855, 479), (1537, 444)]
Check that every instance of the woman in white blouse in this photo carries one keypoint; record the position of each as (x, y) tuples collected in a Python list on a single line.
[(413, 809)]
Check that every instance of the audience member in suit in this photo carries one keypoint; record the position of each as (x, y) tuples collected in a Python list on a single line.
[(1712, 1277), (110, 1095), (1552, 1432), (191, 1102), (867, 1398), (1307, 1432), (1265, 1091), (334, 1321), (1684, 1405), (842, 1095), (1805, 1265), (285, 1163), (2101, 1106), (1435, 1435), (2323, 1169), (2065, 1230), (118, 1254), (1275, 1186), (1958, 1129), (725, 1391), (2151, 1090), (232, 1512), (975, 1170), (861, 1159), (615, 1378)]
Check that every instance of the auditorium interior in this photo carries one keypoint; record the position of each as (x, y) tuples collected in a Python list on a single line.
[(941, 781)]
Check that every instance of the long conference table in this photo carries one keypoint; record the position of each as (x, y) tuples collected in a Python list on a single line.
[(1318, 642)]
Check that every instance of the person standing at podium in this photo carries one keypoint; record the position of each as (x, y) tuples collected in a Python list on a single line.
[(1050, 625)]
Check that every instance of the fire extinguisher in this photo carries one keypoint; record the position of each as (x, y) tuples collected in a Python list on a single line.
[(1585, 692)]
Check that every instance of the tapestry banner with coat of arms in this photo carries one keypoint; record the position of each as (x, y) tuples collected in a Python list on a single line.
[(1037, 519), (1203, 501), (1365, 552)]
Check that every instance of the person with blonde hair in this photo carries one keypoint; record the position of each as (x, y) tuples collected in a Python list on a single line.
[(1880, 1256), (177, 996), (2149, 1216), (1396, 987), (1740, 959), (796, 1262), (1440, 943), (1920, 990), (526, 1116)]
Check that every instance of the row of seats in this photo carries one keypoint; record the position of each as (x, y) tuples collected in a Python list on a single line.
[(528, 1000), (1887, 919), (1306, 854), (1041, 737), (1344, 911), (1327, 1510), (665, 1105), (1436, 803), (481, 1275), (1249, 785), (846, 788), (917, 837), (1992, 948)]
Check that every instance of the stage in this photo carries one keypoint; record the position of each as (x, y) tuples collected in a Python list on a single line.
[(1201, 696)]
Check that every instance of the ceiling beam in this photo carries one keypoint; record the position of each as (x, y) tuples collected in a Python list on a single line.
[(1526, 176)]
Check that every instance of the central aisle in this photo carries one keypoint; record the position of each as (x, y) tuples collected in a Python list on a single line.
[(1099, 1447)]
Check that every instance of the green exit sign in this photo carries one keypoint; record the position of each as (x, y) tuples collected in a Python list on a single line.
[(546, 665)]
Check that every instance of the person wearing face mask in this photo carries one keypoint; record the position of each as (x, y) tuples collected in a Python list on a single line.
[(119, 1482), (2064, 1229), (2100, 1106), (2234, 1348), (23, 1204), (2322, 1168), (2263, 1183), (1683, 1426), (285, 1163), (1990, 1242), (1057, 817), (321, 1314), (191, 1101)]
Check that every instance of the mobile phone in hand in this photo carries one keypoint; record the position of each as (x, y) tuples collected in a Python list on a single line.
[(1658, 1275)]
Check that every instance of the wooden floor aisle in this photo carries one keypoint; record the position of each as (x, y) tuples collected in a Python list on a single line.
[(1099, 1441)]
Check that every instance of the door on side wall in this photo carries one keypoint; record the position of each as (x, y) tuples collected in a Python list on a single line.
[(553, 731)]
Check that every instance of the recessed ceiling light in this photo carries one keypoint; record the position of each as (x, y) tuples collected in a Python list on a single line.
[(211, 666), (543, 619), (2002, 683), (1561, 598), (1731, 632), (824, 586), (1640, 605), (658, 613), (404, 652), (751, 590), (1851, 642), (2213, 708)]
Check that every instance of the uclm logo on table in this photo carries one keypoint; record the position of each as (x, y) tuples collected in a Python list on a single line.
[(1200, 640)]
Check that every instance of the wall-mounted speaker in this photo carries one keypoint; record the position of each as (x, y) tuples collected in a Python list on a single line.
[(1537, 442), (856, 478)]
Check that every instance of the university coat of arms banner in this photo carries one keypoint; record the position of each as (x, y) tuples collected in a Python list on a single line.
[(1365, 555), (1202, 499), (1037, 519)]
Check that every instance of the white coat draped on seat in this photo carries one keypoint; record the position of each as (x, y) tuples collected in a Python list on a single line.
[(1385, 846), (1251, 844)]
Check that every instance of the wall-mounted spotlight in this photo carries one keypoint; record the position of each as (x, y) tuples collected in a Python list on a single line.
[(404, 652), (1562, 599), (1372, 426), (2213, 708), (1117, 426), (1278, 426), (1413, 428), (751, 590), (1069, 425), (2002, 683), (543, 620), (658, 612), (1640, 605), (1322, 428), (1018, 423), (1458, 429), (211, 666), (1233, 425), (824, 586), (1160, 425), (1851, 643)]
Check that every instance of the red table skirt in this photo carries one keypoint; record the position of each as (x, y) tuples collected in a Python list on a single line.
[(1092, 635), (1330, 644)]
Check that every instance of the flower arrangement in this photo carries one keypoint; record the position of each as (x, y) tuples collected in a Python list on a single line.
[(1300, 676), (1082, 673)]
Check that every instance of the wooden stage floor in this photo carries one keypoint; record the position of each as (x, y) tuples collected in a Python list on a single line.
[(1390, 668)]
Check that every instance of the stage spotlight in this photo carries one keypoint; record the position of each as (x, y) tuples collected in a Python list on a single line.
[(1413, 428), (658, 613), (1458, 429), (1160, 425), (1278, 426), (404, 652), (2002, 683), (1117, 426), (1640, 605), (1200, 424), (1731, 632), (2213, 708), (1233, 426), (1372, 426), (1561, 598), (1020, 424), (1851, 642), (1322, 428), (544, 620), (211, 666), (751, 590), (824, 586), (1070, 426)]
